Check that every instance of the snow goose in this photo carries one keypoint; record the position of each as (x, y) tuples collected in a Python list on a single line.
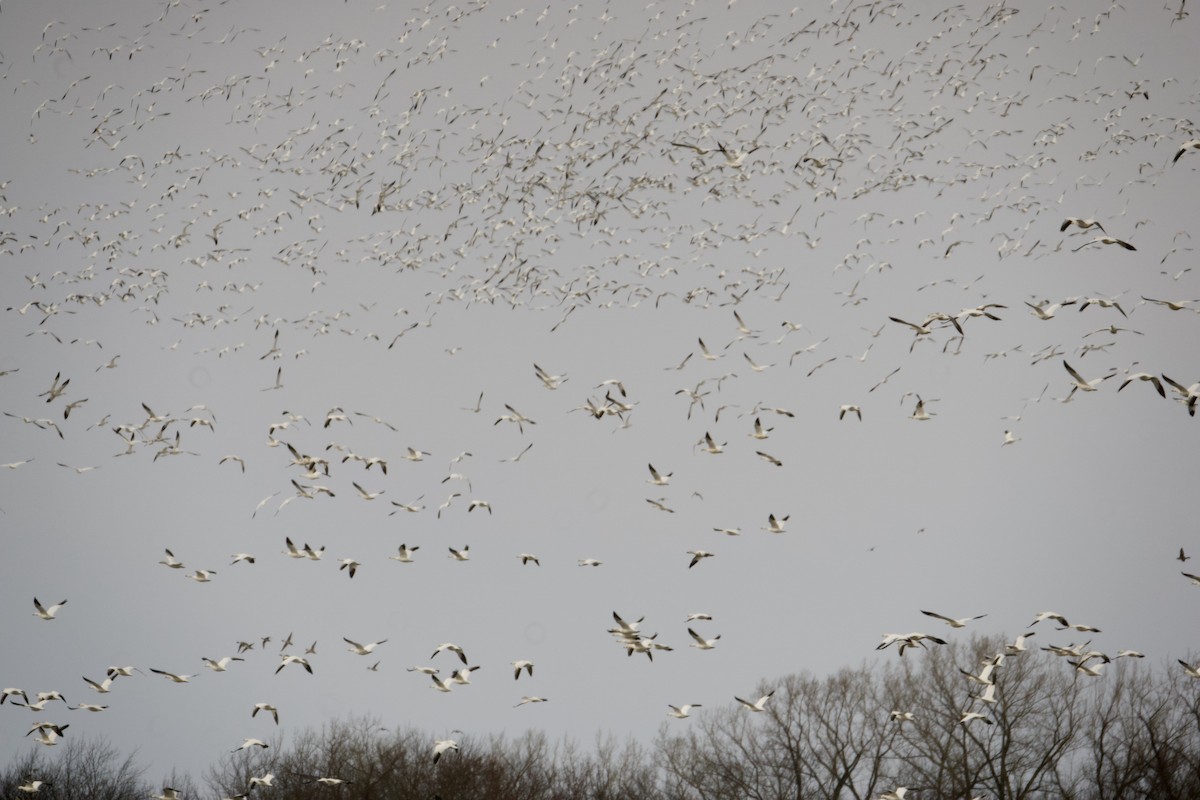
[(1188, 396), (267, 707), (123, 672), (951, 621), (1191, 144), (548, 380), (104, 687), (441, 746), (1144, 376), (775, 524), (1106, 240), (364, 494), (248, 743), (1044, 615), (453, 648), (11, 692), (1018, 645), (770, 459), (1047, 310), (290, 659), (907, 640), (758, 705), (405, 554), (1081, 384), (657, 478), (1082, 224), (88, 707), (462, 676), (411, 508), (362, 649), (681, 712), (46, 613), (849, 409), (171, 676), (32, 787)]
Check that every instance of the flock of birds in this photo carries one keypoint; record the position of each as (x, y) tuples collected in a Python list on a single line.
[(646, 179)]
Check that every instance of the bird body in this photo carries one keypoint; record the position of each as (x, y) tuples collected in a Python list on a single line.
[(657, 478), (952, 622), (1081, 384), (291, 659), (44, 612), (1082, 224), (681, 712), (268, 708), (248, 743), (171, 676), (405, 554), (442, 746), (775, 524), (362, 649), (1144, 376), (758, 705)]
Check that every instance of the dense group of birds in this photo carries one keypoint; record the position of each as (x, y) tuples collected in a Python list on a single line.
[(248, 256)]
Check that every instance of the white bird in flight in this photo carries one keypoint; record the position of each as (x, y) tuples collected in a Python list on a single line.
[(442, 746), (362, 649), (681, 712), (171, 676), (43, 612), (222, 665), (657, 478), (951, 621), (758, 705), (405, 554), (775, 524)]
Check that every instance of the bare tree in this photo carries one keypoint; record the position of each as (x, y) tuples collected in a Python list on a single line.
[(82, 769)]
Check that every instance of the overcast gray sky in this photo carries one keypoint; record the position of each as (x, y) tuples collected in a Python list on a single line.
[(422, 203)]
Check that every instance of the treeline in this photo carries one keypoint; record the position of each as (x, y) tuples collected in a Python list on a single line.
[(1047, 729)]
